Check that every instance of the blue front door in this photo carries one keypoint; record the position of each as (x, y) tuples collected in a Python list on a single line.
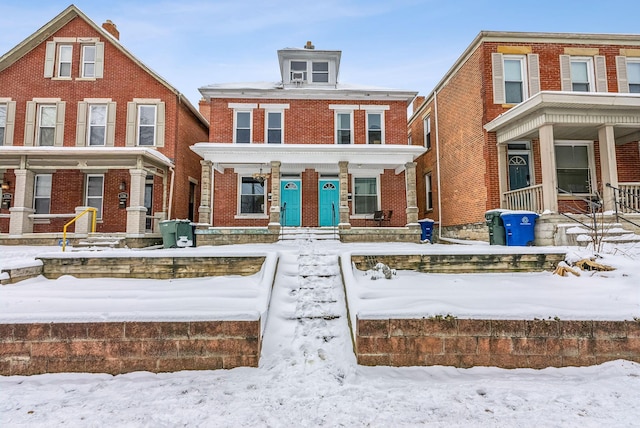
[(518, 171), (290, 196), (329, 201)]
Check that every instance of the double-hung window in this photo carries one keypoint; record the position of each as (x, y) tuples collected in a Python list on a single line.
[(427, 131), (274, 127), (3, 122), (95, 193), (298, 71), (88, 68), (97, 124), (252, 196), (62, 61), (344, 134), (374, 128), (514, 79), (633, 75), (574, 167), (516, 75), (65, 56), (365, 195), (320, 72), (429, 191), (46, 125), (242, 127), (146, 125), (42, 194), (581, 75)]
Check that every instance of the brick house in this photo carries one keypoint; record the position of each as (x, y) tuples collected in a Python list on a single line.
[(529, 121), (83, 123), (308, 151)]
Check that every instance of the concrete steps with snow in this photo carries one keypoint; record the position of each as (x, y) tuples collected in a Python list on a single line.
[(99, 242), (613, 233), (309, 233)]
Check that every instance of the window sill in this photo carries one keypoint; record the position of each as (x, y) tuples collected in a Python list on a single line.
[(251, 217), (62, 78), (86, 79)]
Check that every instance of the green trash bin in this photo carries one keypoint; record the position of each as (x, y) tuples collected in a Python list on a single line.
[(168, 232), (497, 233), (184, 233)]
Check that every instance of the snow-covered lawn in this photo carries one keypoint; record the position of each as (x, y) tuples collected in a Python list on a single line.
[(292, 391)]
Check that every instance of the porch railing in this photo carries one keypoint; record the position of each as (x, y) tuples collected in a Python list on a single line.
[(528, 199), (628, 197)]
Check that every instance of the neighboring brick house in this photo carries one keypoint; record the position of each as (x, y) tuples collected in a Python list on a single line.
[(307, 151), (83, 123), (533, 121)]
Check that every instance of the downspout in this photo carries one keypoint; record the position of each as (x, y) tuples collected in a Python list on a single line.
[(213, 174), (171, 192), (435, 110)]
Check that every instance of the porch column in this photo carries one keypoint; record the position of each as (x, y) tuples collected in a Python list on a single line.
[(503, 185), (20, 222), (412, 197), (548, 164), (344, 195), (206, 178), (608, 165), (136, 211), (274, 210), (83, 224)]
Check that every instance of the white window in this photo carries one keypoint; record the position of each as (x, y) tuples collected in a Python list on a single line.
[(94, 193), (97, 124), (320, 72), (582, 75), (298, 71), (365, 195), (274, 127), (252, 196), (147, 125), (514, 79), (3, 122), (633, 75), (65, 54), (7, 121), (42, 194), (574, 166), (429, 191), (88, 61), (375, 133), (242, 127), (344, 126), (46, 125), (427, 131)]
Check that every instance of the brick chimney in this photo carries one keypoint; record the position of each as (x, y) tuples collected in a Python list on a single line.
[(309, 45), (111, 28)]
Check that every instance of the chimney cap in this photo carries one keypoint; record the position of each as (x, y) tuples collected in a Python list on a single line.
[(309, 45)]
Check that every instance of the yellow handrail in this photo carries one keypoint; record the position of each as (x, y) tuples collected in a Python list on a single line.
[(94, 211)]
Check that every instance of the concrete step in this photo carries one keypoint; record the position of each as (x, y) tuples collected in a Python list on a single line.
[(309, 233)]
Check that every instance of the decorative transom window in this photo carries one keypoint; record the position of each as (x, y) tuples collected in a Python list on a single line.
[(46, 125), (374, 128), (94, 193), (291, 186), (344, 134), (428, 184), (427, 131), (574, 167), (633, 75), (42, 194), (514, 79), (252, 196), (365, 195), (274, 127), (329, 186)]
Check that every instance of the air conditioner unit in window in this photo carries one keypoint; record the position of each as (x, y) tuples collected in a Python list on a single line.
[(297, 76)]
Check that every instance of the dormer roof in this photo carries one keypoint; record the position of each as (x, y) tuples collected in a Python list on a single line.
[(309, 67)]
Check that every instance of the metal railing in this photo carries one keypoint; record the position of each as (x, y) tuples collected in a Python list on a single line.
[(626, 200), (93, 211), (527, 199)]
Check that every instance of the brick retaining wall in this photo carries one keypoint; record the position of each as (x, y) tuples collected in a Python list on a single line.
[(501, 343), (122, 347)]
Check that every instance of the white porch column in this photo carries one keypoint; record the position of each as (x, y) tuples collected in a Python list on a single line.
[(503, 168), (274, 210), (19, 222), (412, 197), (548, 164), (206, 178), (608, 165), (345, 223), (83, 224), (136, 211)]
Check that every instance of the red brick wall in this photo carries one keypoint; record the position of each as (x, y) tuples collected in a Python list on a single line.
[(122, 347), (500, 343)]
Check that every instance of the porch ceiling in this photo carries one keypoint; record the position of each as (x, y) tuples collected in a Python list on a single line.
[(321, 157), (574, 116)]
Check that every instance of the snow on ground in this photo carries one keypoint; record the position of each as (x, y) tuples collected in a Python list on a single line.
[(305, 381)]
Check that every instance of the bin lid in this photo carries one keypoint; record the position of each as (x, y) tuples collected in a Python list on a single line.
[(426, 220), (519, 212)]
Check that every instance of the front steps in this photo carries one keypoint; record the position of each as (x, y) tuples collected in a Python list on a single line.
[(610, 233), (309, 233)]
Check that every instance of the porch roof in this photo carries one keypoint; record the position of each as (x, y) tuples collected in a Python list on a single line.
[(82, 158), (574, 116), (321, 157)]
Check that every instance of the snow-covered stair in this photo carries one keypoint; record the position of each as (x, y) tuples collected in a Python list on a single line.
[(309, 233), (307, 327)]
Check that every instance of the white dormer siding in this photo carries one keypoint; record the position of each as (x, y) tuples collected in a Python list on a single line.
[(309, 67)]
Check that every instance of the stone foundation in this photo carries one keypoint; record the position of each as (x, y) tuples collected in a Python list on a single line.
[(229, 236), (380, 234)]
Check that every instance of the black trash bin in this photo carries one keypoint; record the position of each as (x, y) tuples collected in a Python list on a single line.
[(427, 229), (497, 234)]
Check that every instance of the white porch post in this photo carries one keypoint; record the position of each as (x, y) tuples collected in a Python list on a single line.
[(503, 168), (136, 211), (274, 210), (20, 222), (206, 178), (608, 165), (548, 164), (83, 224), (412, 197), (344, 195)]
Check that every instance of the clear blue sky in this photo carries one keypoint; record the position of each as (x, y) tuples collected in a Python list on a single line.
[(404, 44)]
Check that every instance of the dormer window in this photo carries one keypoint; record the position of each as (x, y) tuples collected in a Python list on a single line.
[(320, 72), (298, 71)]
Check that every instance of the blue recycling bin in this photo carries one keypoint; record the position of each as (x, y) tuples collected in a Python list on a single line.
[(519, 227), (427, 229)]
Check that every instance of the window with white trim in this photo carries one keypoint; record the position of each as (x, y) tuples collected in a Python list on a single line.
[(365, 195), (375, 133), (252, 196), (344, 127), (242, 127), (46, 125), (3, 122), (97, 129), (60, 57), (574, 166), (42, 194), (94, 192), (515, 88), (145, 122), (147, 125), (428, 185), (427, 131), (320, 72), (633, 75), (582, 75), (298, 71), (274, 127), (88, 68), (65, 55)]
